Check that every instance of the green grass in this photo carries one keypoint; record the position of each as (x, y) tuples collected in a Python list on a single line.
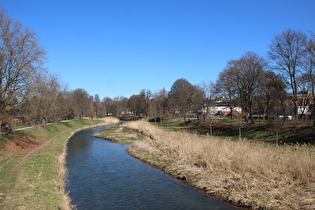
[(35, 183), (262, 131), (152, 157), (119, 134), (4, 138)]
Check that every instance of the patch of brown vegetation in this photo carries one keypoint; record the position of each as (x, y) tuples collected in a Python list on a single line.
[(244, 173), (18, 144), (118, 134)]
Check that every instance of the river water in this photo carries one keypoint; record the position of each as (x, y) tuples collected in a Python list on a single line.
[(102, 175)]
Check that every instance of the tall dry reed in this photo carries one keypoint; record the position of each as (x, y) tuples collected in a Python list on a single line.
[(277, 164), (111, 120)]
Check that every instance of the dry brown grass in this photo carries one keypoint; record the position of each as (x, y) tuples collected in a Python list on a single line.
[(250, 174), (110, 120)]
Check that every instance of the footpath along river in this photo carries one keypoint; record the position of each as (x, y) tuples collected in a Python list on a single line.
[(102, 175)]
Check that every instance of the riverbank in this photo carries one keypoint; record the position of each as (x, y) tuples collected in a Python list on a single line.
[(32, 164), (254, 175)]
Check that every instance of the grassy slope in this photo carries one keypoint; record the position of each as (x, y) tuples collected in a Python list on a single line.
[(34, 180), (288, 133)]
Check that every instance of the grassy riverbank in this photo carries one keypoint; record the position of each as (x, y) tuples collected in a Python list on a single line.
[(245, 173), (32, 169), (119, 134)]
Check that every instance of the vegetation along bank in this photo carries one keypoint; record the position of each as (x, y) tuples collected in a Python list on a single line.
[(255, 175), (32, 171)]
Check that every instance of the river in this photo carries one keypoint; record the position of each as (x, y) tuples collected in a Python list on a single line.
[(102, 175)]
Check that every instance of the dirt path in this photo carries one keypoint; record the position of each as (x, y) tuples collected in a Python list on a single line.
[(16, 171), (19, 152)]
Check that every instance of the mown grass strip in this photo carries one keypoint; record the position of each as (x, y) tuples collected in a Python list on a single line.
[(33, 180)]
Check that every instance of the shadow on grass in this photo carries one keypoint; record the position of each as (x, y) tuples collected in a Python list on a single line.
[(288, 134)]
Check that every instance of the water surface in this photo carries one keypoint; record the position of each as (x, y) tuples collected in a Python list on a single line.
[(102, 175)]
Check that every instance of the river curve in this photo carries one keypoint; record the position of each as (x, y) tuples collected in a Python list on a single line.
[(102, 175)]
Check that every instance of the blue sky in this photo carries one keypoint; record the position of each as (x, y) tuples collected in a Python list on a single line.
[(119, 47)]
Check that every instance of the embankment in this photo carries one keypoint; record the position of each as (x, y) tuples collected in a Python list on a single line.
[(254, 175), (34, 177)]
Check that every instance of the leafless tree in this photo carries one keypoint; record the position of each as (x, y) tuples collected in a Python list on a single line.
[(208, 88), (108, 106), (271, 86), (247, 71), (41, 103), (226, 88), (288, 52), (63, 105), (139, 104), (309, 71), (121, 104), (186, 97), (160, 101), (134, 104), (91, 108), (97, 105), (20, 56), (152, 109), (80, 101)]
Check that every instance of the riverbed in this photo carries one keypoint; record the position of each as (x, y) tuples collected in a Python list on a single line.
[(102, 175)]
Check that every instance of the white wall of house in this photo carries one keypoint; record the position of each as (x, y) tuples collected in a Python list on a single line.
[(216, 109)]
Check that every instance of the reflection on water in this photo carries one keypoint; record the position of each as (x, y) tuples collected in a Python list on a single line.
[(102, 175)]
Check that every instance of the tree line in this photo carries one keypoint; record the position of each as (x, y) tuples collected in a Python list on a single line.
[(284, 80), (281, 83)]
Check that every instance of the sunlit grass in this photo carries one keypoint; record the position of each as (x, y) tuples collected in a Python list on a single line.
[(37, 182), (235, 128), (118, 134)]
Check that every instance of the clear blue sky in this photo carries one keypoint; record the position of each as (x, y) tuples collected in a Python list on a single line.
[(119, 47)]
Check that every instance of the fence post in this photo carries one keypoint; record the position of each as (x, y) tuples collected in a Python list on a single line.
[(240, 133)]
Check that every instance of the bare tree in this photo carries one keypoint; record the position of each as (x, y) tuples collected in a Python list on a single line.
[(309, 67), (226, 88), (41, 103), (91, 108), (63, 105), (271, 86), (122, 105), (185, 97), (208, 88), (152, 109), (180, 93), (134, 104), (247, 71), (20, 56), (108, 106), (160, 101), (288, 52), (97, 105), (80, 102), (139, 104)]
